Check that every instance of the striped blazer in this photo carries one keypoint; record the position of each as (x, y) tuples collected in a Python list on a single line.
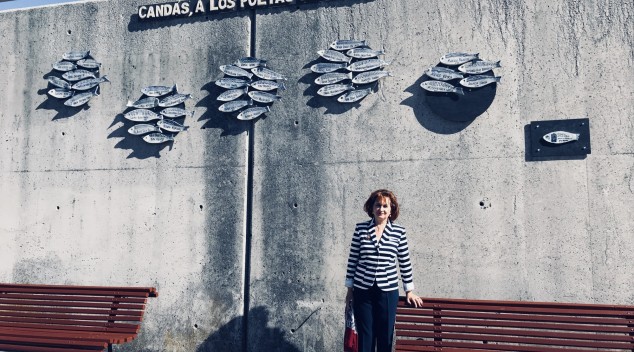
[(371, 261)]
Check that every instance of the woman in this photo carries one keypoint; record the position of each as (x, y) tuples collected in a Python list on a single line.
[(372, 278)]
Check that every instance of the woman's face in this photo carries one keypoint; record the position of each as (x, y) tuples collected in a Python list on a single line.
[(381, 209)]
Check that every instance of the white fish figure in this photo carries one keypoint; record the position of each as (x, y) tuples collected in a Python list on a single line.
[(234, 105), (90, 83), (60, 93), (334, 56), (176, 112), (268, 85), (264, 97), (364, 53), (159, 91), (235, 71), (442, 87), (326, 67), (142, 115), (370, 76), (453, 59), (367, 65), (232, 94), (332, 78), (81, 99), (58, 82), (174, 100), (143, 129), (334, 89), (248, 63), (344, 44), (156, 138), (171, 126), (478, 67), (443, 73), (78, 75), (64, 66), (231, 83), (145, 103), (560, 137), (478, 81), (89, 63), (75, 55), (252, 113), (267, 74), (354, 95)]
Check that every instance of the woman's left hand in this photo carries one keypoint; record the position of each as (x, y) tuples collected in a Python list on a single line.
[(414, 300)]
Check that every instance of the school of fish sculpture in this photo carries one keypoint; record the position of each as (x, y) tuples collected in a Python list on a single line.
[(79, 76), (561, 137), (470, 73)]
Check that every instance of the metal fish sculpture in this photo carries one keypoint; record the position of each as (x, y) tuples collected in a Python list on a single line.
[(343, 44), (354, 95), (453, 59), (89, 63), (231, 83), (81, 99), (145, 103), (370, 76), (142, 115), (478, 67), (267, 74), (143, 129), (90, 83), (443, 73), (58, 82), (478, 81), (232, 94), (78, 75), (442, 87), (367, 65), (560, 137), (235, 71), (332, 78), (176, 112), (364, 53), (60, 93), (157, 138), (252, 113), (334, 89), (64, 66), (334, 56), (326, 67), (248, 63), (174, 100), (75, 55), (234, 105), (171, 126), (264, 97), (268, 85), (159, 91)]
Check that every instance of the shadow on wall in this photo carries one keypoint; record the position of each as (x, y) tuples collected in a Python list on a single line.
[(140, 148), (63, 111), (265, 338), (136, 24), (213, 118)]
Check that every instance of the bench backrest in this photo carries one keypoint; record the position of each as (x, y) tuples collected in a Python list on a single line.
[(480, 325), (114, 310)]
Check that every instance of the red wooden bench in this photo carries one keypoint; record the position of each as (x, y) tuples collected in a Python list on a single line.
[(52, 318), (458, 325)]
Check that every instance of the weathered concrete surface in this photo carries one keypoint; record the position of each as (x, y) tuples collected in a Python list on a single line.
[(483, 221)]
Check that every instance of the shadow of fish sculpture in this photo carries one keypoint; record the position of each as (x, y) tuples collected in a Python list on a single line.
[(252, 88), (79, 75)]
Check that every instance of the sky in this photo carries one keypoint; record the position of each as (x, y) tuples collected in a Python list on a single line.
[(18, 4)]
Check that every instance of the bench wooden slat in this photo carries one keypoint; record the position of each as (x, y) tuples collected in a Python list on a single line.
[(29, 348), (119, 312), (469, 346), (531, 310), (61, 342), (77, 335), (69, 322), (474, 302), (113, 293), (56, 297), (71, 316), (71, 288), (73, 304), (4, 325)]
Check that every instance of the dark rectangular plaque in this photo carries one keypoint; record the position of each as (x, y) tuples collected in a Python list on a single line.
[(541, 148)]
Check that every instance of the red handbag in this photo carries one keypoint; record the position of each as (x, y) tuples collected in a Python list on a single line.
[(350, 343)]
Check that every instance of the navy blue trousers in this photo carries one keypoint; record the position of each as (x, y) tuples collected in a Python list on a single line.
[(374, 317)]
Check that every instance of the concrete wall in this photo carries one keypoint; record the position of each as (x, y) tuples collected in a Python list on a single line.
[(83, 203)]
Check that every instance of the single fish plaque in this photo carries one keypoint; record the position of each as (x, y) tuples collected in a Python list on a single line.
[(559, 138)]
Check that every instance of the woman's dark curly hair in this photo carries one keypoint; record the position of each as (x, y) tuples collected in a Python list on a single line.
[(382, 194)]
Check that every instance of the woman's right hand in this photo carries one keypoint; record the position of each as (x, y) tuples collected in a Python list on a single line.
[(349, 295)]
